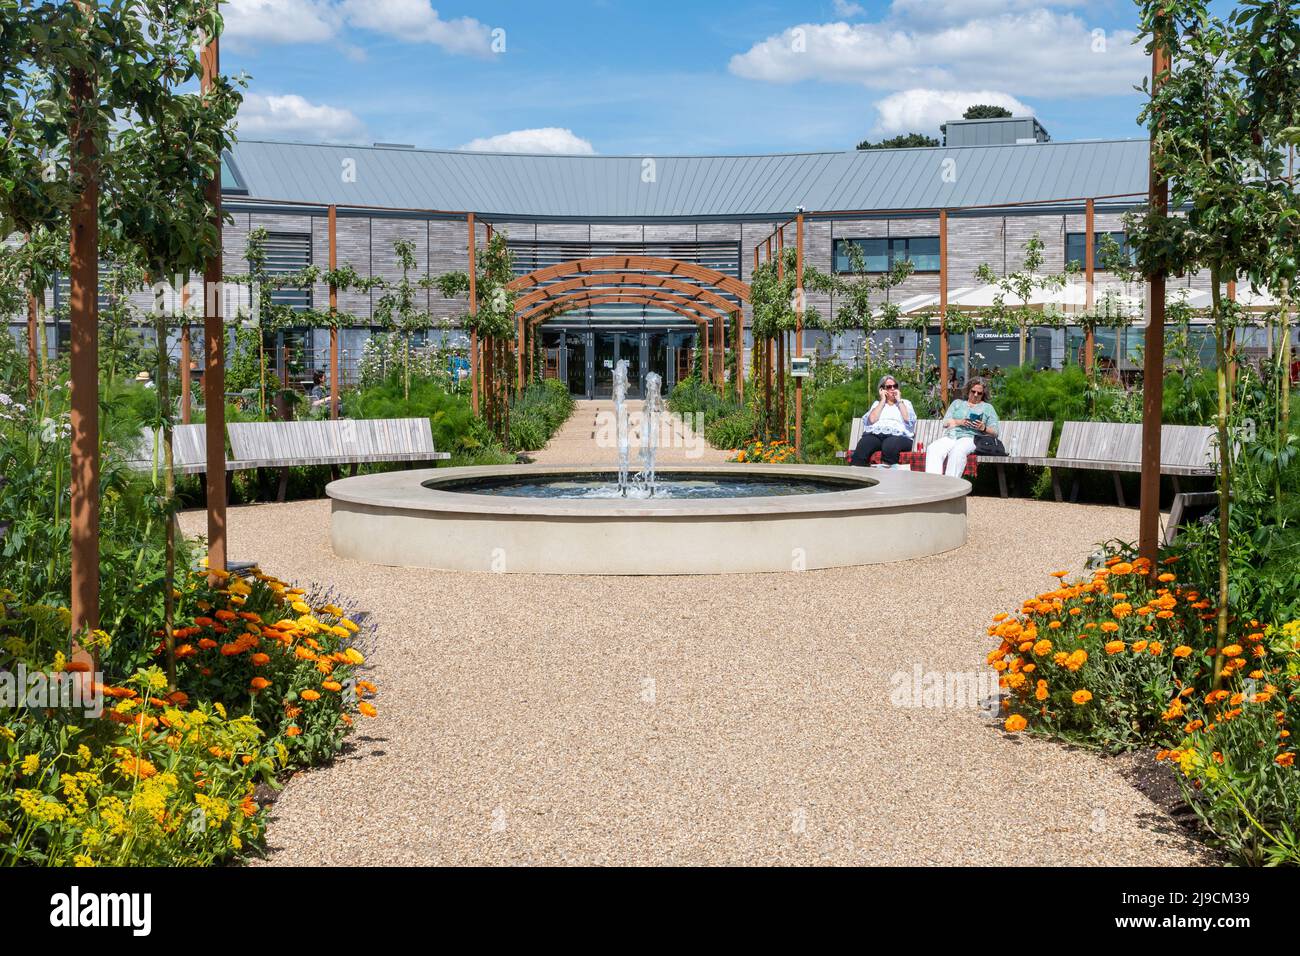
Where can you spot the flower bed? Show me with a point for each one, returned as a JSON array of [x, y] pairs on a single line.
[[773, 452], [1118, 661], [266, 683]]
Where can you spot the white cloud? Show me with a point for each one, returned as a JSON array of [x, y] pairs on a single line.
[[923, 111], [319, 21], [289, 116], [280, 21], [417, 22], [847, 8], [546, 139], [1049, 53]]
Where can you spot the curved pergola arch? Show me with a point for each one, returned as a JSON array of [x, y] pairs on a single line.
[[547, 308], [525, 302], [652, 264]]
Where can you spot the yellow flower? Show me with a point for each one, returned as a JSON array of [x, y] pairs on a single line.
[[31, 764], [354, 656], [301, 607]]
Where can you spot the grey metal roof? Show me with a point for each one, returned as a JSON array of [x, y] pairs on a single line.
[[586, 188]]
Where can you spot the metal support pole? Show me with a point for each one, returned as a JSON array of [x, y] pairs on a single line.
[[943, 307], [798, 333], [1089, 266], [334, 309], [474, 364]]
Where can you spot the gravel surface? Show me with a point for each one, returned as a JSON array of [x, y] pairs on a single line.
[[738, 719]]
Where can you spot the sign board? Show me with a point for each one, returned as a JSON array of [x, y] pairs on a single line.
[[800, 366]]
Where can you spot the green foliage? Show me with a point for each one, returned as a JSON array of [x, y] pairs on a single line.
[[732, 430], [985, 111], [700, 402], [456, 429], [902, 141], [537, 413]]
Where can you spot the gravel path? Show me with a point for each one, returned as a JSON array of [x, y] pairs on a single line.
[[734, 720]]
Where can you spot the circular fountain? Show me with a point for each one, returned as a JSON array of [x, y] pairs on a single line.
[[678, 519]]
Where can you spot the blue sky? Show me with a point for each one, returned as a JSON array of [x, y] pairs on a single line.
[[628, 77]]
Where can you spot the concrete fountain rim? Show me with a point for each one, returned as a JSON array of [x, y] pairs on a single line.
[[880, 489]]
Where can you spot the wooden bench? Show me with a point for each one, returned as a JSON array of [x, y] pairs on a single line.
[[189, 450], [1185, 450], [343, 441]]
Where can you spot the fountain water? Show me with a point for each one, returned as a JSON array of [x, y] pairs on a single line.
[[645, 478], [620, 418]]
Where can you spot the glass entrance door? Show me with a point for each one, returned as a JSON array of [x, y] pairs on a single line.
[[610, 348]]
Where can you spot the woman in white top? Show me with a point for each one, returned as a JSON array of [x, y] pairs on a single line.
[[888, 427]]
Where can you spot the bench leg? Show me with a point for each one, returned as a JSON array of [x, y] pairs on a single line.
[[283, 488], [1178, 488], [355, 466], [1074, 490], [1056, 484], [1119, 489], [1175, 518], [1002, 480]]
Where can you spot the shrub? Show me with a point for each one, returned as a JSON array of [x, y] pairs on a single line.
[[733, 430], [537, 413], [1117, 663], [266, 682], [456, 429]]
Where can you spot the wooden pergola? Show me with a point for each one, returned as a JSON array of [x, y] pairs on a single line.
[[690, 290]]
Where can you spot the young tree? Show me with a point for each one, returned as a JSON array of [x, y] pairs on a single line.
[[1020, 287], [1218, 138], [493, 321], [397, 308]]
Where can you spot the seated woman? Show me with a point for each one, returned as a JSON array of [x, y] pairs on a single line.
[[964, 419], [888, 427]]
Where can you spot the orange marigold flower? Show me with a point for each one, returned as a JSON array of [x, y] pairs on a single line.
[[1155, 648], [1285, 760], [1059, 574], [1232, 650], [367, 708], [259, 659], [1081, 697], [259, 683], [310, 695], [1122, 610], [207, 643], [1114, 647], [332, 685], [1182, 650], [1122, 568], [293, 730], [1166, 577], [1139, 647], [1110, 627], [1015, 723]]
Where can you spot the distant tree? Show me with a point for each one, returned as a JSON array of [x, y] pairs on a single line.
[[985, 111], [905, 141]]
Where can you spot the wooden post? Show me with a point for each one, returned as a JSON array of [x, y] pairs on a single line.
[[83, 251], [1089, 267], [739, 348], [474, 363], [214, 347], [1153, 353], [943, 307], [798, 332], [334, 309], [187, 385]]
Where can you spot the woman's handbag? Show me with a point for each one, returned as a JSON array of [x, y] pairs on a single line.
[[989, 445]]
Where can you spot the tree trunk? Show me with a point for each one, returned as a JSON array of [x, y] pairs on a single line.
[[1225, 483]]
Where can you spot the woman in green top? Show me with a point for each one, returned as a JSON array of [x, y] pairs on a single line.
[[964, 419]]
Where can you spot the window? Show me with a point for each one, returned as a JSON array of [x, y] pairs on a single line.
[[289, 252], [881, 255], [1074, 247]]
